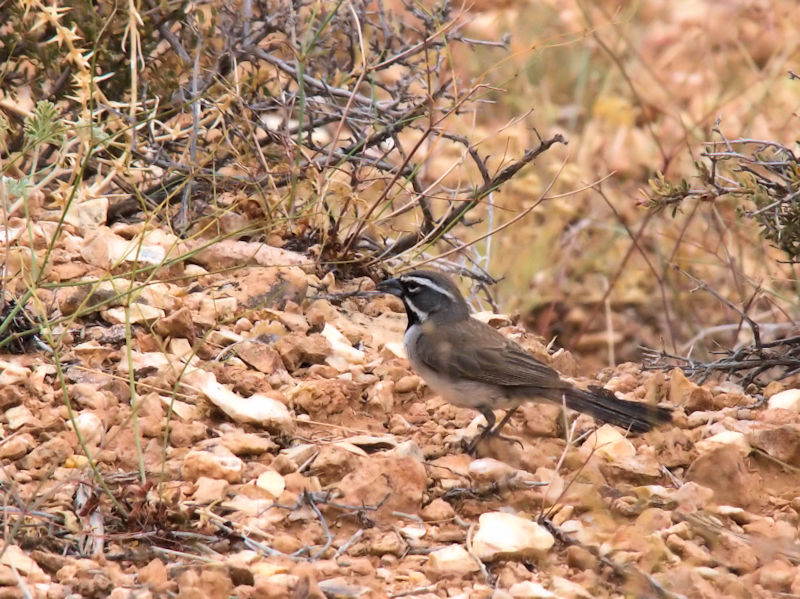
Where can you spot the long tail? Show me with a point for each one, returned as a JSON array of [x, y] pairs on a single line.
[[604, 405]]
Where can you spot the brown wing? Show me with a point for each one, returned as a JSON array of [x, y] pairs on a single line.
[[474, 351], [490, 358]]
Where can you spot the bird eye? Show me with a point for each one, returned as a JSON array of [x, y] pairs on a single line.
[[412, 288]]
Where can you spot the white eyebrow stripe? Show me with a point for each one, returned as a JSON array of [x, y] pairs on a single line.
[[428, 283], [421, 316]]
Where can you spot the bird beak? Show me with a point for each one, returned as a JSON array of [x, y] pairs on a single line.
[[392, 286]]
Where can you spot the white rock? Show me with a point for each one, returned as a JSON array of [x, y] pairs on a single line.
[[413, 531], [735, 438], [184, 411], [104, 248], [19, 416], [11, 373], [135, 314], [144, 363], [343, 355], [351, 448], [339, 587], [646, 465], [489, 470], [88, 214], [181, 348], [786, 400], [506, 535], [258, 409], [299, 454], [452, 559], [90, 427], [527, 589], [272, 482], [373, 441], [224, 337], [492, 318], [408, 449], [608, 443], [396, 348], [199, 463], [568, 589], [14, 557], [253, 507], [729, 510]]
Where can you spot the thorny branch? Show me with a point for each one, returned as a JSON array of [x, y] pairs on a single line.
[[763, 178], [780, 359], [299, 94], [313, 500]]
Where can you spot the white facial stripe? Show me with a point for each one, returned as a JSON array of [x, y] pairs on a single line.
[[421, 316], [428, 283]]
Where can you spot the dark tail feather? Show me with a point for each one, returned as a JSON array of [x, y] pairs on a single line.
[[604, 405]]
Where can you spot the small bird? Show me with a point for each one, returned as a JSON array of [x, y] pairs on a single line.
[[470, 364]]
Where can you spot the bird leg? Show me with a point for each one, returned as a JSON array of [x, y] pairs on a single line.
[[490, 430]]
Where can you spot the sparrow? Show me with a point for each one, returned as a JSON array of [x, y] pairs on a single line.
[[470, 364]]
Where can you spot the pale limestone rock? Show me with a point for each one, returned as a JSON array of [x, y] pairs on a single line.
[[271, 482], [184, 411], [452, 559], [733, 438], [341, 587], [608, 443], [408, 383], [566, 589], [241, 443], [493, 319], [226, 253], [438, 510], [296, 349], [224, 337], [205, 463], [692, 496], [19, 416], [144, 363], [299, 454], [260, 356], [781, 442], [786, 400], [12, 373], [490, 470], [408, 449], [17, 559], [16, 446], [396, 349], [413, 531], [506, 535], [258, 409], [294, 322], [342, 355], [210, 490], [777, 575], [527, 589], [90, 428], [683, 392], [381, 394], [106, 249], [278, 585], [134, 314]]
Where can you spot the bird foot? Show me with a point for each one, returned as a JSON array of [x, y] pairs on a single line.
[[488, 432]]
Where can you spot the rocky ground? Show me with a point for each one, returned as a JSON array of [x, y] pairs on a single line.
[[259, 433]]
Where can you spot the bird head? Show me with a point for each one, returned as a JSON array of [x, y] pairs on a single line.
[[427, 294]]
